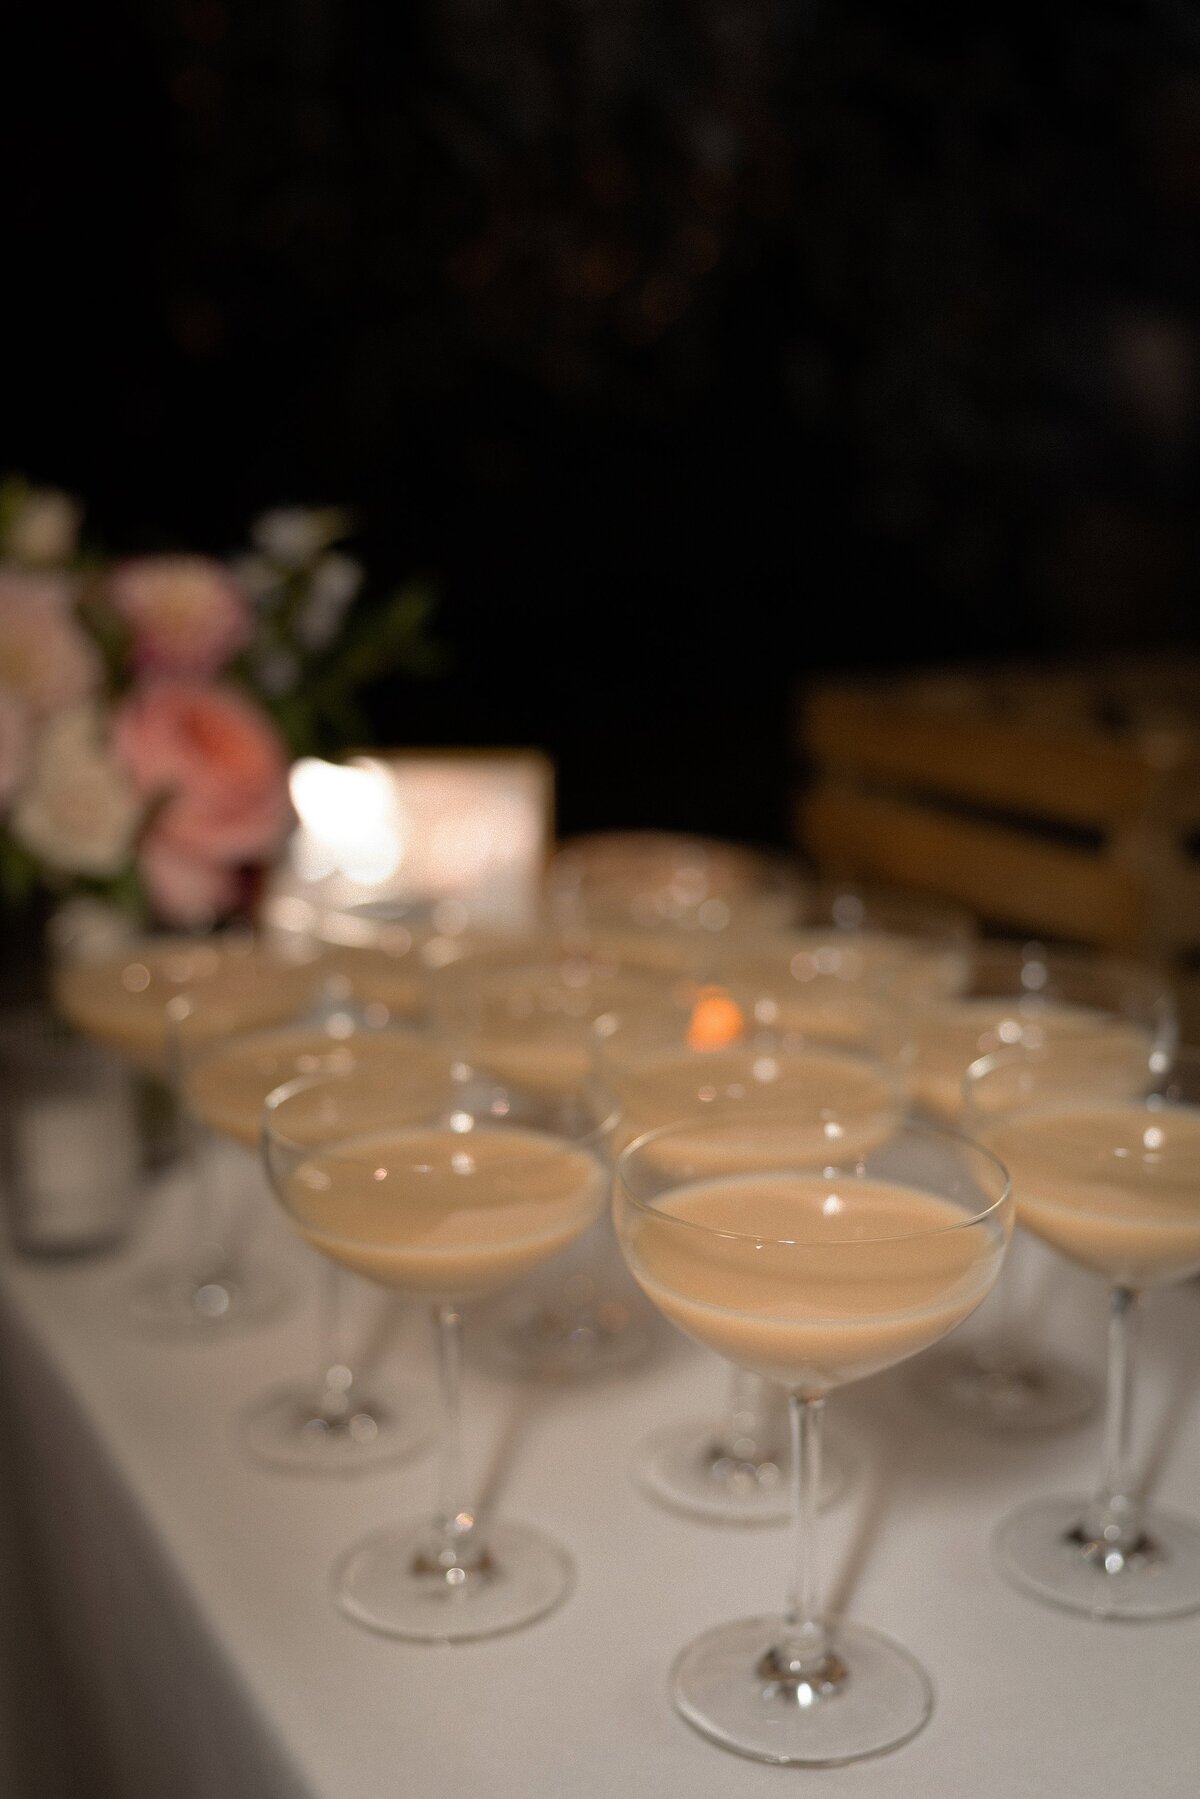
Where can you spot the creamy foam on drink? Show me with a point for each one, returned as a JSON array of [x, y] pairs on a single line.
[[874, 1272], [445, 1213], [950, 1035], [1115, 1188], [229, 1088]]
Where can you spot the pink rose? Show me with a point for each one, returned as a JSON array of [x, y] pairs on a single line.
[[14, 745], [183, 889], [45, 659], [187, 613], [218, 771]]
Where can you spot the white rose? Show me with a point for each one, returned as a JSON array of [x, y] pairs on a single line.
[[45, 529], [256, 577], [78, 812], [294, 536], [335, 581]]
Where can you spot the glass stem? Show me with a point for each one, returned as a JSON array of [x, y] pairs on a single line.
[[454, 1551], [803, 1656], [1112, 1517], [1004, 1348], [335, 1377], [205, 1247], [750, 1434], [205, 1252]]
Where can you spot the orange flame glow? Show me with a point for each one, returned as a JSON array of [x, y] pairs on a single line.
[[716, 1020]]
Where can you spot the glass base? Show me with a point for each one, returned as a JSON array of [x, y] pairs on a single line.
[[995, 1387], [387, 1584], [568, 1342], [685, 1468], [287, 1429], [175, 1302], [874, 1698], [1041, 1549]]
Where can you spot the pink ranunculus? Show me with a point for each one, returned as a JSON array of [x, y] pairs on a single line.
[[14, 745], [216, 766], [188, 614], [46, 661]]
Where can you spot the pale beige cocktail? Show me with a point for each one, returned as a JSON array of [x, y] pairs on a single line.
[[883, 1275], [843, 1102], [839, 1104], [1114, 1185], [228, 1087], [1114, 1188], [948, 1036], [158, 1002], [531, 1021], [1079, 1010], [443, 1215], [331, 1422], [812, 1276], [490, 1183], [195, 990]]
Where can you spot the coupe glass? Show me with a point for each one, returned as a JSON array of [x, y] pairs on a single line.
[[918, 939], [157, 1002], [380, 961], [733, 1468], [646, 880], [810, 1272], [1113, 1184], [531, 1023], [489, 1185], [330, 1423], [1118, 1015]]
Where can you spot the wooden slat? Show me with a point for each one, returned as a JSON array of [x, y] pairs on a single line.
[[1181, 796], [1187, 992], [1004, 877], [1080, 778], [1178, 907]]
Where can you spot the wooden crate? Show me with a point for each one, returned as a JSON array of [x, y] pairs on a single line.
[[1063, 804]]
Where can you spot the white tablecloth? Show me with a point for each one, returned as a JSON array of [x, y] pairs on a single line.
[[191, 1610]]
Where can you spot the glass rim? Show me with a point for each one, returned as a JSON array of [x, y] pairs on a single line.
[[1015, 1053], [272, 1135], [563, 954], [922, 910], [1031, 1055], [207, 1053], [992, 952], [1076, 1100], [904, 1129], [868, 1060], [576, 850]]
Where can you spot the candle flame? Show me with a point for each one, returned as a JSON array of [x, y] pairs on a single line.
[[716, 1020]]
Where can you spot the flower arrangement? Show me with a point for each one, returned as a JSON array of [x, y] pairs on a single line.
[[149, 707]]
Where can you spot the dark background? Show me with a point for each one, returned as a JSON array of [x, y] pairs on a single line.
[[692, 346]]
